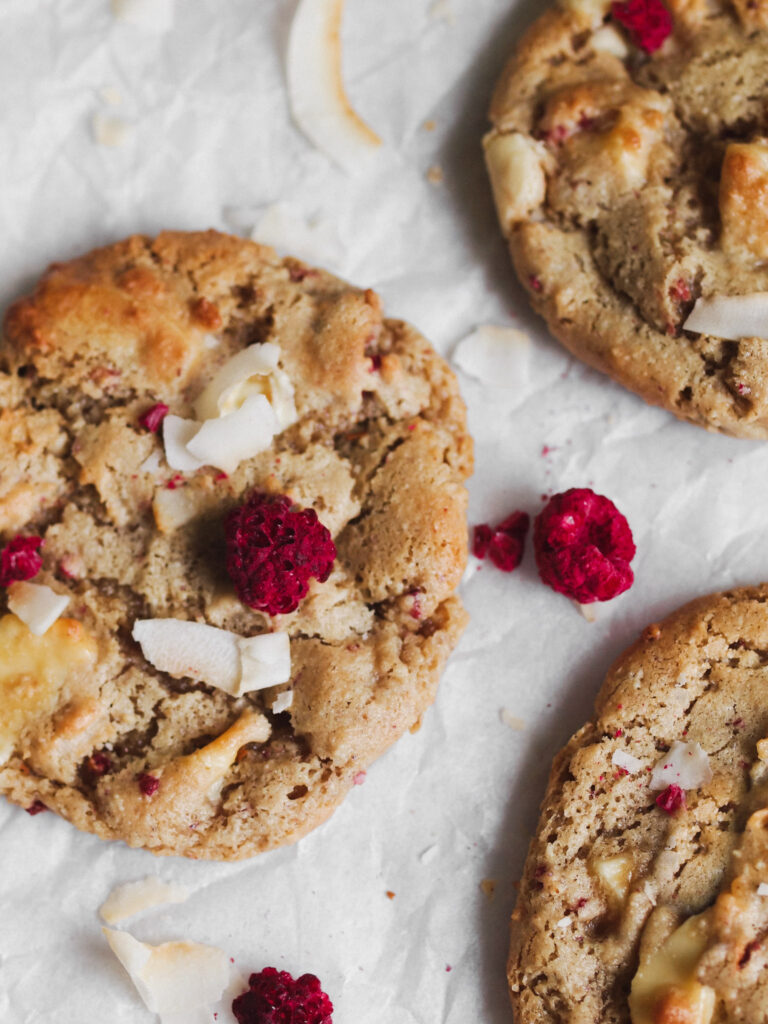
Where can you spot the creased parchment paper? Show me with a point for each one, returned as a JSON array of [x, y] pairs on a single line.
[[201, 137]]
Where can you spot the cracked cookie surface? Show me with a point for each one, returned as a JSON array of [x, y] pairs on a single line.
[[379, 449], [630, 185], [611, 880]]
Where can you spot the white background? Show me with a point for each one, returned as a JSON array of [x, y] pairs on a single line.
[[210, 143]]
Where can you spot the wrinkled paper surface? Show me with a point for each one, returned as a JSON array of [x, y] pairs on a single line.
[[204, 139]]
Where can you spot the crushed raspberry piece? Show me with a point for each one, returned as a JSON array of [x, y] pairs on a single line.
[[375, 362], [148, 784], [648, 22], [36, 808], [680, 291], [274, 997], [672, 799], [98, 764], [19, 560], [176, 481], [152, 418], [583, 546], [535, 283], [504, 543], [274, 550]]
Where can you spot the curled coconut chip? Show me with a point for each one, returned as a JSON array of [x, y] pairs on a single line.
[[133, 898], [318, 100], [628, 762], [731, 317], [685, 765], [229, 440], [232, 663], [179, 981], [496, 356], [37, 605], [252, 371]]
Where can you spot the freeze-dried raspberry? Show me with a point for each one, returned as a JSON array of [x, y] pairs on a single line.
[[97, 764], [273, 997], [583, 546], [504, 543], [274, 550], [36, 808], [19, 560], [152, 418], [148, 784], [672, 799], [648, 22]]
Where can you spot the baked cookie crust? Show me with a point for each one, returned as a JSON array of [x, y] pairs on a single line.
[[611, 876], [629, 185], [380, 451]]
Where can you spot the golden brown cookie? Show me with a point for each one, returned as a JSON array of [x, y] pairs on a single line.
[[371, 435], [643, 897], [630, 184]]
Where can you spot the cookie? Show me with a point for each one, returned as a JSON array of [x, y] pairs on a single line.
[[364, 428], [642, 896], [629, 164]]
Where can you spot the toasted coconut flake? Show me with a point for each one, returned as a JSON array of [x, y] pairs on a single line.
[[180, 981], [176, 433], [36, 605], [685, 765], [134, 897], [150, 15], [497, 356], [225, 442], [252, 371], [731, 317], [627, 761], [316, 88]]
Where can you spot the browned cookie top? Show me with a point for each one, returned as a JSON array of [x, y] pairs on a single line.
[[378, 449], [629, 185], [633, 907]]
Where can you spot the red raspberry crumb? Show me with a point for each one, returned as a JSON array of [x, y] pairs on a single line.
[[177, 480], [148, 784], [152, 418], [375, 362], [680, 291], [504, 543], [19, 560], [648, 22], [274, 997], [98, 763], [36, 808], [274, 550], [535, 283], [583, 546], [671, 799]]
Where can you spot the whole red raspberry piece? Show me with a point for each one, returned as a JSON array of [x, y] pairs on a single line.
[[274, 550], [672, 799], [19, 560], [504, 543], [648, 22], [273, 997], [583, 546]]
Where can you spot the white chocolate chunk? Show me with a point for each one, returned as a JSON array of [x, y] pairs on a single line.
[[515, 165], [36, 605]]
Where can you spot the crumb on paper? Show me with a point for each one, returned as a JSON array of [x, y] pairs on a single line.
[[110, 95], [435, 175], [589, 611], [430, 125], [497, 356], [518, 724], [110, 131], [390, 894], [428, 854], [488, 887], [442, 9], [149, 15], [134, 897], [179, 981]]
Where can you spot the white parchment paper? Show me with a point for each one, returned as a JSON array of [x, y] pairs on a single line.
[[205, 140]]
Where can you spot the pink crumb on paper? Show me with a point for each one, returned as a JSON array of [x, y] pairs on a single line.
[[503, 544], [358, 779], [448, 968]]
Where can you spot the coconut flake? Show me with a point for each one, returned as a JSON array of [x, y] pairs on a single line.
[[252, 371], [225, 442], [731, 317], [232, 663], [109, 131], [627, 761], [134, 897], [564, 922], [496, 356], [150, 15], [265, 661], [152, 464], [176, 433], [282, 702], [180, 981], [685, 765], [318, 101], [36, 605]]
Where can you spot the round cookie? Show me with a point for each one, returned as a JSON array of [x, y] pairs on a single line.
[[631, 184], [378, 449], [636, 903]]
